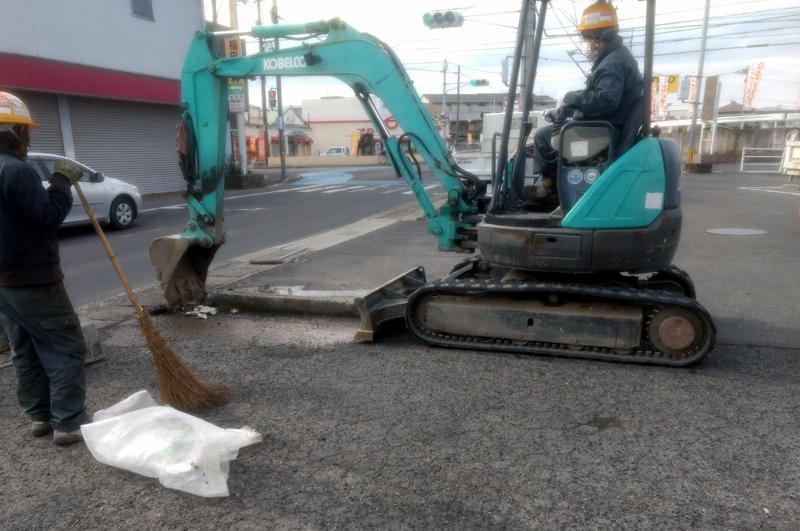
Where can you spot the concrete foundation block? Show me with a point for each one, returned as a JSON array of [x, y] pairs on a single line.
[[94, 349]]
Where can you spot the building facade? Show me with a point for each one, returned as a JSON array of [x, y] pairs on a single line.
[[102, 80]]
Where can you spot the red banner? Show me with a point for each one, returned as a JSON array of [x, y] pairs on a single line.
[[654, 101], [753, 77], [662, 96]]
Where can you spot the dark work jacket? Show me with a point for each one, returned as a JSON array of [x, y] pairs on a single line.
[[611, 88], [29, 217]]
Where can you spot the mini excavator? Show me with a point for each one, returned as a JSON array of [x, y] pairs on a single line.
[[594, 280]]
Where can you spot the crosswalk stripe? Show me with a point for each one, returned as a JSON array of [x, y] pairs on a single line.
[[346, 189]]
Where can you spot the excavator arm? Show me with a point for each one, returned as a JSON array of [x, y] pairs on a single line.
[[362, 61]]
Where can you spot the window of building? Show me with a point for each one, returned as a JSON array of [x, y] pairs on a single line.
[[142, 8]]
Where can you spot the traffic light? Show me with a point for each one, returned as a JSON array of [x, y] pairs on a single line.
[[273, 98], [443, 19], [479, 82]]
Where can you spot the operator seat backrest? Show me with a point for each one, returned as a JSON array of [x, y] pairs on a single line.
[[583, 143], [631, 128]]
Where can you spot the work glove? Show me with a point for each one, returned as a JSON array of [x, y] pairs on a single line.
[[68, 169], [550, 115]]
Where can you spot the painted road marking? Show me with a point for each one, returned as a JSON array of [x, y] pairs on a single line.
[[425, 187], [345, 189], [770, 189], [326, 189]]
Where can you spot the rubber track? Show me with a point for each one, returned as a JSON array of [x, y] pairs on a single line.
[[651, 301]]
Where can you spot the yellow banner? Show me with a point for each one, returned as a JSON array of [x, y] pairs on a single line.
[[674, 81]]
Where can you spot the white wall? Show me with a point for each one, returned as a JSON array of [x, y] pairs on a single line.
[[102, 33], [333, 121]]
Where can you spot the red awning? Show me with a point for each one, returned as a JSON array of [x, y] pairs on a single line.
[[276, 139]]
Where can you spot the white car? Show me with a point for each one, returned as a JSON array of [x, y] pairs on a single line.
[[337, 152], [112, 201]]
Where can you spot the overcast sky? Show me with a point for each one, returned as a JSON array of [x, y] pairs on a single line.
[[740, 32]]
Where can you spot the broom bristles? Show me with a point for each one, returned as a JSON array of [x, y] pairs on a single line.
[[179, 387]]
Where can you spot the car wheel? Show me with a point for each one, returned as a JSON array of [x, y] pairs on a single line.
[[122, 213]]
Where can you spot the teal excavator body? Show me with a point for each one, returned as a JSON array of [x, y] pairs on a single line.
[[591, 279]]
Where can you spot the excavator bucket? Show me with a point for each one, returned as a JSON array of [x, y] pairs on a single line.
[[181, 268]]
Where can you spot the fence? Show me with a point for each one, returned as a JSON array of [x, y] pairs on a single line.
[[763, 157]]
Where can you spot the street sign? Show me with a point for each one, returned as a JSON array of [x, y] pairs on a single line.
[[233, 48]]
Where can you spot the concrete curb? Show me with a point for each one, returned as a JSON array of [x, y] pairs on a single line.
[[264, 302], [94, 349]]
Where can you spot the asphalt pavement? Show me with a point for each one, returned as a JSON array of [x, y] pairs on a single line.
[[399, 435]]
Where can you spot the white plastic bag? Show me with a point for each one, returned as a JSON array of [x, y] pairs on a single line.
[[183, 452]]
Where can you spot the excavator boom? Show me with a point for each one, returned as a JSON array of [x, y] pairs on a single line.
[[370, 68]]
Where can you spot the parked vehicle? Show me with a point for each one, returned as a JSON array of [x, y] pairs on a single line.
[[112, 201], [337, 152]]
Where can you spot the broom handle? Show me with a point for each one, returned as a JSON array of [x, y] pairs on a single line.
[[110, 253]]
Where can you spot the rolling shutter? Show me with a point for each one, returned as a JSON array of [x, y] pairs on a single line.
[[130, 141], [44, 112]]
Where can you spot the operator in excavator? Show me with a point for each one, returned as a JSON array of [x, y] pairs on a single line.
[[48, 347], [611, 91]]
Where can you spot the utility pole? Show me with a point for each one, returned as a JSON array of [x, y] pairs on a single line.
[[214, 13], [716, 116], [744, 94], [239, 115], [444, 95], [699, 81], [458, 105], [264, 128], [279, 119]]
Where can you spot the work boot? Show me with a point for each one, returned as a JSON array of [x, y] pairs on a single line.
[[67, 437], [40, 428]]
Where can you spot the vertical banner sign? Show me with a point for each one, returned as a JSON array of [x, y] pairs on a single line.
[[673, 82], [654, 101], [753, 77], [354, 148], [233, 48], [693, 91], [662, 95], [710, 98]]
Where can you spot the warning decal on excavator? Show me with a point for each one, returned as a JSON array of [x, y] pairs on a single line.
[[575, 176], [591, 176]]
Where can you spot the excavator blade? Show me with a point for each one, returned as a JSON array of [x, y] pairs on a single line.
[[181, 268], [387, 302]]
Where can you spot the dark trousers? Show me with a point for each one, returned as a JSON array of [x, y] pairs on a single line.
[[545, 158], [48, 352]]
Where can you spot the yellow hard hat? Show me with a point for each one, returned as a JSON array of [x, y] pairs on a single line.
[[599, 15], [13, 111]]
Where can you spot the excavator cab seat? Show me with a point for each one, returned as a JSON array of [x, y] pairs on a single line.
[[588, 148]]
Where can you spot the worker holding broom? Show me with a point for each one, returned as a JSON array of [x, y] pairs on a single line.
[[48, 348]]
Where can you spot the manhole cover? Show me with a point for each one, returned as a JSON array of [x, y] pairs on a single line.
[[736, 232]]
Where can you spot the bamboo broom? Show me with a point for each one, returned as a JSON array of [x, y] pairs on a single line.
[[179, 387]]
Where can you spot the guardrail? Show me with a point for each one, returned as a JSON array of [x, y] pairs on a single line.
[[771, 157]]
